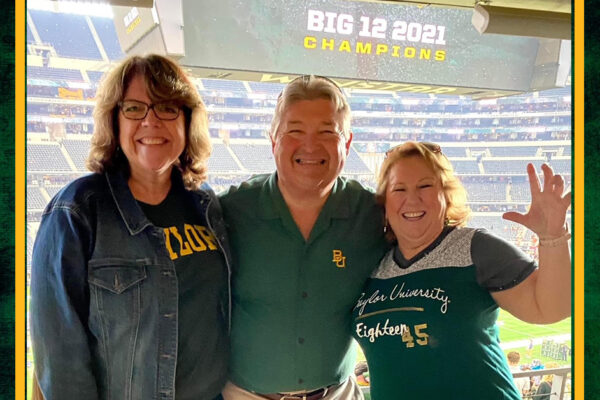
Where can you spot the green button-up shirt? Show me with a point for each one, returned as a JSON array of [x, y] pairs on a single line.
[[292, 298]]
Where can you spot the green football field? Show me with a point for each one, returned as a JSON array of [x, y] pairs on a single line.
[[512, 329]]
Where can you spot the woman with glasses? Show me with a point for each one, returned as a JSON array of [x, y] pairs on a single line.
[[130, 268], [426, 318]]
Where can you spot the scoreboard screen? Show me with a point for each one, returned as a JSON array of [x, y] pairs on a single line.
[[132, 23], [361, 44]]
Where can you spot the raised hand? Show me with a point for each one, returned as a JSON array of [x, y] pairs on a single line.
[[548, 209]]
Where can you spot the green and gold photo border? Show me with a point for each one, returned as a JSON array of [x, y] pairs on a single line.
[[7, 203], [587, 117], [13, 195]]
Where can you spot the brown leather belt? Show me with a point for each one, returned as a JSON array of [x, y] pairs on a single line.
[[313, 395]]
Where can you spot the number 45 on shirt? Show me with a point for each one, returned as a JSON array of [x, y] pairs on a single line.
[[421, 336]]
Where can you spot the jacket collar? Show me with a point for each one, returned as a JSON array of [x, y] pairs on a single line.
[[134, 218]]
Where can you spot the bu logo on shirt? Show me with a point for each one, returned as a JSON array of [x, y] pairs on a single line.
[[339, 259]]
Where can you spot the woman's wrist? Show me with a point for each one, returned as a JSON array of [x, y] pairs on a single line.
[[555, 240]]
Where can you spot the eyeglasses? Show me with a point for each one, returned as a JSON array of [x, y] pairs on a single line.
[[432, 147], [134, 109]]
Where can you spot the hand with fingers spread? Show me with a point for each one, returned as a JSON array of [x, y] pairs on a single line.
[[547, 212]]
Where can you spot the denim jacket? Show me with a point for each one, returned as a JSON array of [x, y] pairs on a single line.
[[104, 294]]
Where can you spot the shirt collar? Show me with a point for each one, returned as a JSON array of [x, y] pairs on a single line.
[[404, 263], [272, 205]]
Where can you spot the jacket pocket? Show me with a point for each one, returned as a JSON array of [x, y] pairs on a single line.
[[116, 275], [119, 293]]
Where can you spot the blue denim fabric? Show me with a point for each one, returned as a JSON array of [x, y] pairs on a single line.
[[104, 297]]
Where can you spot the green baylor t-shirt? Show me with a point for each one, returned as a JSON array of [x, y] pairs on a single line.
[[427, 325], [202, 349]]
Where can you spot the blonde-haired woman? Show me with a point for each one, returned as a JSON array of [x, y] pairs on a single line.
[[428, 312], [130, 269]]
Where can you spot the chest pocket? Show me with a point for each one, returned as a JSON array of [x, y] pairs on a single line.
[[116, 275], [117, 288], [117, 302]]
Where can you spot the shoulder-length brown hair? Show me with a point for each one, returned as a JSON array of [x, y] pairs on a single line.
[[457, 210], [164, 80]]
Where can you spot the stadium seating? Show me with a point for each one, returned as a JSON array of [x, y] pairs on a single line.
[[514, 151], [510, 231], [487, 191], [355, 165], [465, 167], [272, 89], [35, 199], [257, 158], [221, 160], [223, 86], [30, 38], [95, 76], [54, 74], [105, 28], [53, 190], [73, 40], [78, 151], [46, 157], [454, 151], [561, 166], [509, 167]]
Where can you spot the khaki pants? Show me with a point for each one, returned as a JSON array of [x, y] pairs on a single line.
[[348, 390], [36, 393]]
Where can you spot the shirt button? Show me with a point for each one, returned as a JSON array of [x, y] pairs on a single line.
[[300, 340], [304, 295], [300, 381]]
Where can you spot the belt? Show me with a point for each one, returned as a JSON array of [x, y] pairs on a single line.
[[312, 395]]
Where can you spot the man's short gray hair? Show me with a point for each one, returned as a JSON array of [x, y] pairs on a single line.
[[312, 87]]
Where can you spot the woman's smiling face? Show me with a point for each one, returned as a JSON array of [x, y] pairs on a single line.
[[415, 205], [151, 145]]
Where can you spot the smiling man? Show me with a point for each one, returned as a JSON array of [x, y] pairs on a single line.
[[304, 242]]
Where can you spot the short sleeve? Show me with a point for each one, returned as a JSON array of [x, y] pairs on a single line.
[[500, 265]]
